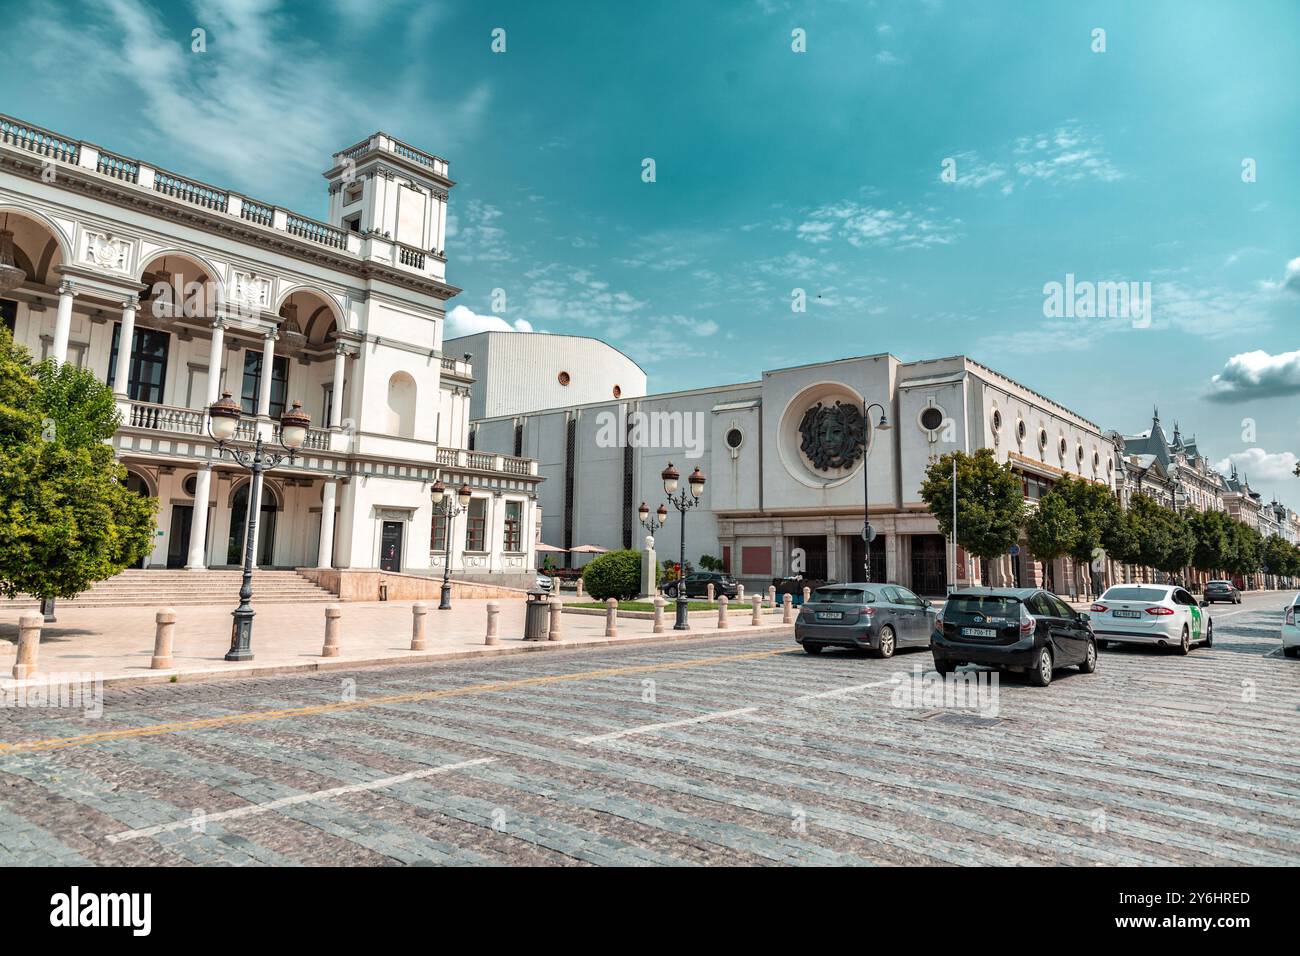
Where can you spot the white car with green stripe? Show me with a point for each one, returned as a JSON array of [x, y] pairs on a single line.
[[1158, 614]]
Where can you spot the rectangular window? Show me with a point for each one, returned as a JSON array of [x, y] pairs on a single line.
[[9, 314], [755, 560], [328, 388], [514, 539], [438, 540], [252, 388], [147, 371], [476, 525]]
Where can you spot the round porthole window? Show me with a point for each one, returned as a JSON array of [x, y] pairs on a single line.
[[1042, 438], [932, 418], [563, 378], [997, 420], [190, 484], [1061, 446], [618, 392], [1096, 460], [735, 438], [1021, 430], [1078, 454]]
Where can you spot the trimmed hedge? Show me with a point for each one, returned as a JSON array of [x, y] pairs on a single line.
[[615, 574]]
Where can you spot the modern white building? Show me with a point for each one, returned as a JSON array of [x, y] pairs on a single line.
[[174, 291], [522, 373], [783, 475]]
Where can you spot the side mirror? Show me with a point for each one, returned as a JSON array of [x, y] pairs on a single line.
[[1205, 603], [1083, 617]]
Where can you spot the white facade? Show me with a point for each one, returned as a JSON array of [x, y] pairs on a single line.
[[212, 288], [765, 497], [522, 372]]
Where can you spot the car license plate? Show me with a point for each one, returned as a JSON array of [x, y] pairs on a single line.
[[978, 632], [830, 615], [1128, 613]]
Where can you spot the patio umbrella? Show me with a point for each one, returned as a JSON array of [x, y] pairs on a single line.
[[589, 549], [543, 546]]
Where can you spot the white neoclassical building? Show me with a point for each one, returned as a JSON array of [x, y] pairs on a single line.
[[785, 476], [174, 291]]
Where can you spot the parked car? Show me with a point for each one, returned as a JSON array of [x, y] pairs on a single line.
[[794, 587], [697, 585], [876, 617], [1291, 628], [1221, 591], [1159, 614], [1017, 629]]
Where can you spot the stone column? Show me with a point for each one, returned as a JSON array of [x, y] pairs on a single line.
[[325, 551], [336, 393], [197, 558], [125, 337], [63, 323], [722, 612], [216, 355], [268, 366]]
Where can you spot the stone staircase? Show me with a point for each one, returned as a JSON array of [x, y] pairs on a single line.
[[180, 588]]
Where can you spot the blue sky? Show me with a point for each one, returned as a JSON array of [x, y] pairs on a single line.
[[778, 170]]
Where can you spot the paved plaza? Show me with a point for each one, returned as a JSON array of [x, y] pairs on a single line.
[[737, 750]]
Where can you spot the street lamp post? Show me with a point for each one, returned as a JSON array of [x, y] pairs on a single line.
[[684, 501], [223, 422], [884, 426], [443, 505], [652, 524]]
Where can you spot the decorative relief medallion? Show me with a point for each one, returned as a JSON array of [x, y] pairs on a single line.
[[107, 252], [252, 291], [833, 436]]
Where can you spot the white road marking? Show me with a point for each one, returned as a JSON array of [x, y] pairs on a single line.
[[298, 798], [839, 691], [651, 728]]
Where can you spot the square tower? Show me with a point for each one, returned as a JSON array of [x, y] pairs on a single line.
[[384, 187]]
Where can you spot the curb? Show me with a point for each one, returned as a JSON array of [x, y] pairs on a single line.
[[321, 665]]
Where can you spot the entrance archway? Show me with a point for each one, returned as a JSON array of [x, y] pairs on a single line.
[[239, 523]]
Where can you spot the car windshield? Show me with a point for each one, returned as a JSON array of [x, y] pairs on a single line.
[[1219, 584], [1135, 594], [987, 605], [843, 596]]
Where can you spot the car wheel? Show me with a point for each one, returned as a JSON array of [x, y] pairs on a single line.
[[887, 642], [1209, 632], [1040, 675], [1238, 601], [1089, 664], [1291, 651], [812, 648], [1185, 643]]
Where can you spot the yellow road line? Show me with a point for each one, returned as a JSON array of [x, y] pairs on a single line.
[[206, 723]]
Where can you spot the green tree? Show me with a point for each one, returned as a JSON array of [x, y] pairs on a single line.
[[1053, 530], [709, 563], [1275, 555], [67, 519], [990, 501], [1095, 513], [1213, 535], [1247, 546]]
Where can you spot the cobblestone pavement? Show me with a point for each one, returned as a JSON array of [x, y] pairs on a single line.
[[737, 751]]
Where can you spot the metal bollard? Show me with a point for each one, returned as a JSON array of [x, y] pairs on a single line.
[[611, 617], [580, 591], [807, 593], [492, 611], [557, 607], [711, 593], [722, 613], [419, 614], [787, 609], [29, 642], [164, 629], [756, 603], [771, 596], [740, 592], [332, 615], [659, 614]]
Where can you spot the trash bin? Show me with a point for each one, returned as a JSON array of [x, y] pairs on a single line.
[[537, 622]]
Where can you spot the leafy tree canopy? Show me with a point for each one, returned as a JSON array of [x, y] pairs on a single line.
[[990, 501]]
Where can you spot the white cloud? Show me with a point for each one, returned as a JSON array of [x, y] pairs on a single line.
[[474, 236], [1259, 465], [865, 226], [1067, 154], [1252, 375], [885, 58], [1290, 279], [465, 321]]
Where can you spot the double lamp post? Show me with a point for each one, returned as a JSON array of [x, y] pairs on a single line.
[[444, 506], [683, 501]]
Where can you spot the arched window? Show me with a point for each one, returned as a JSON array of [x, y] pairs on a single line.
[[401, 405]]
